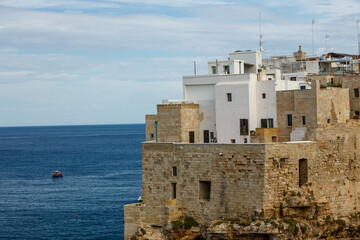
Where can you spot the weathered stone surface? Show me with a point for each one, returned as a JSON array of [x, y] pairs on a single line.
[[173, 123]]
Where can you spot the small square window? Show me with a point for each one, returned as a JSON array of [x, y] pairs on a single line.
[[264, 95], [151, 135], [328, 121], [229, 97], [174, 171], [357, 113], [232, 140], [292, 78]]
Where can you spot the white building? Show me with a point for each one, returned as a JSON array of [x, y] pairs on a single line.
[[237, 96]]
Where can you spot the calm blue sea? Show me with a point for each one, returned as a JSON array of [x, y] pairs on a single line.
[[102, 172]]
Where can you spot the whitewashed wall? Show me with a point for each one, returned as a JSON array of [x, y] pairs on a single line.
[[266, 107], [207, 117]]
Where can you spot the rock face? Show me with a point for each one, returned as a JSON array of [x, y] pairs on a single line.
[[262, 229]]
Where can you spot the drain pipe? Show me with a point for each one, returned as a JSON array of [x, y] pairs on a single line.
[[156, 122]]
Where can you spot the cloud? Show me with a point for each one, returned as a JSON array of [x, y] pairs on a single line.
[[107, 4], [71, 62]]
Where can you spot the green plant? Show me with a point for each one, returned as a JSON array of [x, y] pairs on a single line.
[[259, 224], [298, 194], [245, 223], [303, 229], [190, 222], [340, 222], [177, 225], [292, 226], [275, 225]]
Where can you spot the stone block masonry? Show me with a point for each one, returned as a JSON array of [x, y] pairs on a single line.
[[174, 123]]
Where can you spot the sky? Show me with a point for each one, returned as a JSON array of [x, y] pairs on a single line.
[[80, 62]]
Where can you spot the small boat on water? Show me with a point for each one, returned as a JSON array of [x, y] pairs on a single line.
[[56, 174]]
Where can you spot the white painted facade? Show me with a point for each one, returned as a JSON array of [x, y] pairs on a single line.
[[252, 92]]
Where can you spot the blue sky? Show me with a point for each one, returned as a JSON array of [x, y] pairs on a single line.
[[111, 61]]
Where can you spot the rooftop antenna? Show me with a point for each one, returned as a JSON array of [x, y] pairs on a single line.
[[195, 68], [260, 35], [312, 28], [357, 28], [326, 38]]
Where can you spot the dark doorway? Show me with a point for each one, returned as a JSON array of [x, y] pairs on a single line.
[[191, 137], [206, 136]]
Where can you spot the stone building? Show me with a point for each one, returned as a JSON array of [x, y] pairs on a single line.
[[300, 180], [174, 123]]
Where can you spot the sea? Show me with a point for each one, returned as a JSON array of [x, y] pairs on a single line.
[[102, 173]]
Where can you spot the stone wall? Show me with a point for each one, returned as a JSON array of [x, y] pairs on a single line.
[[150, 127], [264, 135], [250, 179], [236, 173], [312, 108], [351, 82], [174, 122]]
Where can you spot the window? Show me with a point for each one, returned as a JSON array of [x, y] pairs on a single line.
[[206, 136], [357, 113], [292, 78], [271, 123], [232, 140], [267, 123], [244, 128], [273, 139], [289, 119], [212, 135], [204, 190], [173, 190], [229, 97], [303, 172], [174, 171], [263, 123], [191, 137], [264, 95], [227, 69], [213, 70], [303, 87], [303, 120], [328, 121], [245, 140], [356, 92], [332, 81], [151, 135]]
